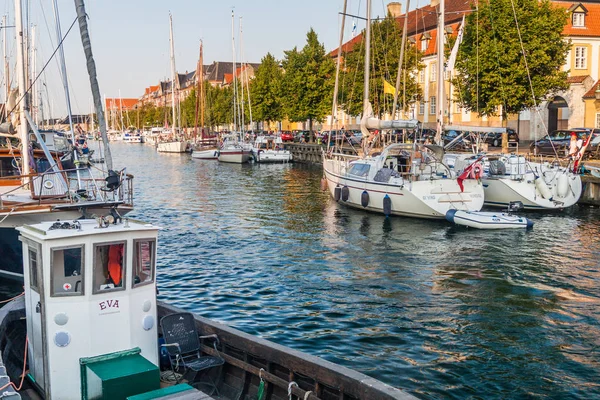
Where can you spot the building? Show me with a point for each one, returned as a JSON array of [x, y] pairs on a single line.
[[578, 106]]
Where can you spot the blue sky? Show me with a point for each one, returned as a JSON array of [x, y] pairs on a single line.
[[130, 38]]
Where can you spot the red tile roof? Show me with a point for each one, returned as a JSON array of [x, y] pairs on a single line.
[[577, 79], [592, 92], [116, 104], [592, 19]]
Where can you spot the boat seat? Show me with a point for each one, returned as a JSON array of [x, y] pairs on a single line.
[[182, 343]]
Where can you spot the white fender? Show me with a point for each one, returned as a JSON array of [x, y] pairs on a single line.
[[562, 186], [542, 187]]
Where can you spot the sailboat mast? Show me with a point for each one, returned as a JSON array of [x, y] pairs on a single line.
[[173, 72], [34, 92], [234, 86], [201, 80], [198, 85], [121, 111], [23, 128], [440, 74], [366, 104], [242, 116], [400, 63], [337, 73], [63, 69], [6, 70]]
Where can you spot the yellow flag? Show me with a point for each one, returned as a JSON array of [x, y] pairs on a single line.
[[388, 88]]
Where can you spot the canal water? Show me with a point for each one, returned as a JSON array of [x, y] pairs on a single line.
[[438, 311]]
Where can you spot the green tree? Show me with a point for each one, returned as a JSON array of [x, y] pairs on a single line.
[[307, 84], [491, 69], [386, 42], [265, 91], [219, 106]]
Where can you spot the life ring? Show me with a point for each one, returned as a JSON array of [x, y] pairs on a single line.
[[476, 171]]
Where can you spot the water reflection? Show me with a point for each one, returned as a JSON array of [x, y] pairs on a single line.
[[440, 311]]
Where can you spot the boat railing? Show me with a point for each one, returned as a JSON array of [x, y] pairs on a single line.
[[46, 186]]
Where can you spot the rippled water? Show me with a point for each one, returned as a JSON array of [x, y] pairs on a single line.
[[438, 311]]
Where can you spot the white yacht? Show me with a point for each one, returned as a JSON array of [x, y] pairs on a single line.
[[234, 151], [269, 149]]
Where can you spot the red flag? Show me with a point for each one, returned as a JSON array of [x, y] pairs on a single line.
[[466, 172]]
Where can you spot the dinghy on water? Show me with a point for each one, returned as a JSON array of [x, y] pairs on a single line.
[[490, 220]]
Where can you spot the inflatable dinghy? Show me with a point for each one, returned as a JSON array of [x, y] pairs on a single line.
[[488, 220]]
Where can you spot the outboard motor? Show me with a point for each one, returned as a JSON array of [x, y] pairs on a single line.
[[515, 206]]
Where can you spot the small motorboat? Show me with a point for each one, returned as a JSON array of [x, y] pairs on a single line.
[[490, 220]]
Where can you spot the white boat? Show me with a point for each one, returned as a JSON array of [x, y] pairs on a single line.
[[402, 180], [488, 220], [539, 186], [269, 149], [129, 137], [234, 152], [206, 154], [175, 146]]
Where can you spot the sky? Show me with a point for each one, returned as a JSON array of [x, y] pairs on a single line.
[[130, 39]]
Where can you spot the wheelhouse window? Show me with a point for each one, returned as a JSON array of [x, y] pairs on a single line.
[[361, 170], [109, 267], [580, 57], [144, 262], [66, 269], [33, 268], [579, 19]]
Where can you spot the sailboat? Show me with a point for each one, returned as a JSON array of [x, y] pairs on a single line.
[[203, 149], [37, 188], [174, 143], [510, 178], [233, 149], [404, 179]]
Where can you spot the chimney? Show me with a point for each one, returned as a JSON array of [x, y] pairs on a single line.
[[395, 9]]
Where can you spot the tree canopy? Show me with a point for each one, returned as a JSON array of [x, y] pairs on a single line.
[[308, 81], [265, 91], [491, 69]]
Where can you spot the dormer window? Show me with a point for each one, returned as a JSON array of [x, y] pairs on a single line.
[[425, 41], [578, 19]]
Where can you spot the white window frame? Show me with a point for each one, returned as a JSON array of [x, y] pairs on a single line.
[[432, 105], [424, 44], [578, 20], [422, 75], [421, 108], [580, 57], [433, 72]]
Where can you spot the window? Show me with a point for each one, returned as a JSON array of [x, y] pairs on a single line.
[[424, 44], [578, 19], [33, 268], [421, 107], [422, 76], [66, 271], [143, 261], [580, 58], [109, 267], [361, 170], [432, 105], [433, 72]]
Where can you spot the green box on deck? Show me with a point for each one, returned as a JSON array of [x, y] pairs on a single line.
[[118, 376]]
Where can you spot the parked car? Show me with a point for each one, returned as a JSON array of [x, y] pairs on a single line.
[[559, 140], [495, 138], [287, 136]]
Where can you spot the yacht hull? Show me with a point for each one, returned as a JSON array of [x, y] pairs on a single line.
[[273, 156], [210, 154], [172, 147], [236, 156]]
